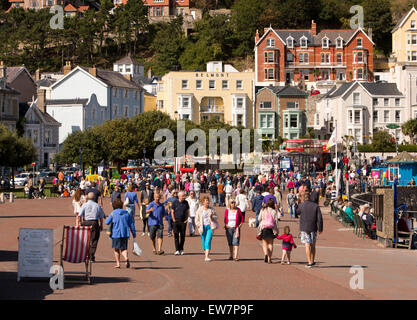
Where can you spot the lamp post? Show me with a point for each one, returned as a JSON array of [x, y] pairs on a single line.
[[144, 154], [81, 161]]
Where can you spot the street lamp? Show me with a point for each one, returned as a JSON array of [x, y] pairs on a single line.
[[144, 154], [81, 160]]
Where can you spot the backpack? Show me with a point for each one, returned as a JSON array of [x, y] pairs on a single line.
[[269, 221]]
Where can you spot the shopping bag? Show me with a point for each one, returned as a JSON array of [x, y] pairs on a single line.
[[136, 250]]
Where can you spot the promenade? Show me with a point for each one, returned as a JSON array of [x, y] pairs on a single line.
[[388, 273]]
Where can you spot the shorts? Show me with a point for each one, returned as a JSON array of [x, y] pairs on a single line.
[[231, 237], [119, 243], [308, 237], [155, 231]]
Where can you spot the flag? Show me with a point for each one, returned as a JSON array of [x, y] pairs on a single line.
[[332, 141]]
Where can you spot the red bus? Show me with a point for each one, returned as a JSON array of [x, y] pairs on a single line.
[[316, 146]]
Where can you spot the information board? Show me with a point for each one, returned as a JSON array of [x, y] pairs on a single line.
[[35, 253], [285, 163]]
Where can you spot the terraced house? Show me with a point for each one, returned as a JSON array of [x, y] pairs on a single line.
[[288, 57], [281, 111]]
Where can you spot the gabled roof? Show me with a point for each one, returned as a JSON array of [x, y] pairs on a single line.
[[403, 157], [382, 88], [44, 116], [297, 35], [128, 60], [13, 72], [403, 19], [83, 8], [332, 35], [283, 91], [360, 30], [266, 32], [115, 79], [70, 8]]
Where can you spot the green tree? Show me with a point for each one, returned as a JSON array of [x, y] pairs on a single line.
[[383, 141], [410, 129], [168, 46], [378, 17]]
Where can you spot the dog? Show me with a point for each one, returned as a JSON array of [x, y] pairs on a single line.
[[252, 223]]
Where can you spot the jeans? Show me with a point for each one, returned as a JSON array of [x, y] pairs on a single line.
[[206, 237], [191, 225], [213, 199], [170, 225], [292, 210], [179, 235], [131, 210]]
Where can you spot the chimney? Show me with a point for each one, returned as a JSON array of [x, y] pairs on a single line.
[[370, 33], [41, 100], [67, 67], [150, 74], [257, 36], [2, 70], [313, 28], [128, 76], [93, 71], [37, 75]]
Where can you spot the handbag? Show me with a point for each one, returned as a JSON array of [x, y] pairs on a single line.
[[127, 202]]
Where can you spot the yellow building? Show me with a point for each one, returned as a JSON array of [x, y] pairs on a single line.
[[404, 39], [221, 92], [150, 102]]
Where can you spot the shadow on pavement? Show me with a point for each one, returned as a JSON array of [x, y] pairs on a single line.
[[156, 268], [8, 255], [95, 280], [131, 261], [10, 289], [342, 267]]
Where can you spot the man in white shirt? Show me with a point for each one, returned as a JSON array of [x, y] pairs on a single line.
[[228, 189], [242, 203], [194, 203]]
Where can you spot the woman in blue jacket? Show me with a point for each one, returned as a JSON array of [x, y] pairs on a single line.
[[122, 224]]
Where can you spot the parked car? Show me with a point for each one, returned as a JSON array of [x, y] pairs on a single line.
[[48, 176], [22, 178]]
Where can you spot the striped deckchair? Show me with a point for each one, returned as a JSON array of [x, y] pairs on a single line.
[[75, 246]]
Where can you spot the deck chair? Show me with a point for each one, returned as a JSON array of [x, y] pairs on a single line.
[[75, 246], [404, 239]]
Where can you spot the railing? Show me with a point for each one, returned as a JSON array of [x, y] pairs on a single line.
[[212, 109], [313, 65], [49, 145]]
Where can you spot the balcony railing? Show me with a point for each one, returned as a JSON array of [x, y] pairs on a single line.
[[314, 65], [212, 109], [49, 145]]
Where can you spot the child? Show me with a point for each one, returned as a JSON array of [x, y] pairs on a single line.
[[144, 216], [287, 244]]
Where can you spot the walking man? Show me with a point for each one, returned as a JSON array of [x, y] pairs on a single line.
[[91, 214], [311, 222], [156, 211], [193, 202], [179, 212]]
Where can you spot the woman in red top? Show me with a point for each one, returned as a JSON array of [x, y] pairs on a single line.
[[233, 220]]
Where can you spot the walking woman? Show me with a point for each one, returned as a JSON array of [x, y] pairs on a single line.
[[233, 220], [268, 228], [122, 224], [77, 202], [206, 223], [133, 197]]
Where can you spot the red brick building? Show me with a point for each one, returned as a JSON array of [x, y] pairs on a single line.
[[166, 8], [284, 57]]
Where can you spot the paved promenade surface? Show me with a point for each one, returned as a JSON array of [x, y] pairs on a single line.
[[388, 273]]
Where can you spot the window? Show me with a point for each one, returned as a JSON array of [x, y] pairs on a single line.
[[239, 102], [126, 93], [93, 114], [386, 102], [306, 58], [239, 84], [115, 110], [115, 92], [35, 136], [356, 98], [270, 121], [397, 102], [184, 84], [185, 102], [290, 42], [350, 113], [225, 84], [317, 119], [357, 117], [375, 116], [397, 116], [413, 24], [325, 58], [303, 42], [186, 117], [375, 101], [325, 43], [263, 121], [270, 42], [269, 74], [127, 69], [301, 58], [286, 121], [47, 136], [304, 74], [359, 42], [212, 84], [359, 57], [293, 121], [414, 39], [270, 57], [339, 43], [265, 105], [239, 120], [386, 116], [292, 104], [359, 74], [199, 84], [358, 135], [290, 57], [339, 58], [126, 112]]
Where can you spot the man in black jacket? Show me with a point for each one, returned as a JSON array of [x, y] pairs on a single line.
[[311, 221]]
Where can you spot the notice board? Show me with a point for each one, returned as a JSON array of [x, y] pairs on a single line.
[[35, 253]]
